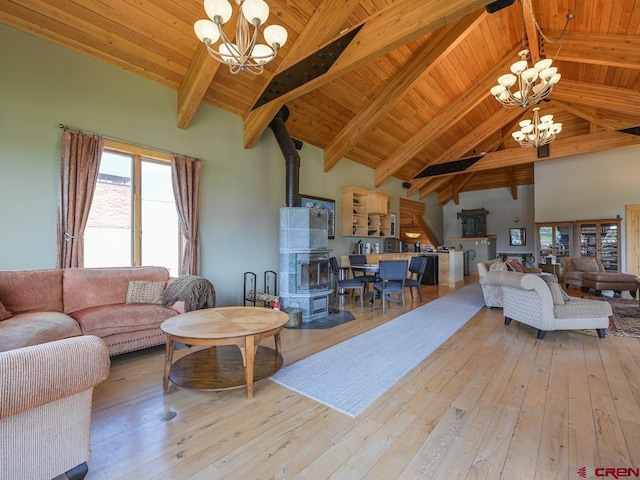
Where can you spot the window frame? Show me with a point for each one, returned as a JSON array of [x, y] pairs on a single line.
[[138, 155]]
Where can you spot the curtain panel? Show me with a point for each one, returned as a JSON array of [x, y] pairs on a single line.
[[79, 167], [185, 177]]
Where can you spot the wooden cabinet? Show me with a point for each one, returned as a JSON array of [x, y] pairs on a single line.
[[365, 213], [554, 239], [600, 239]]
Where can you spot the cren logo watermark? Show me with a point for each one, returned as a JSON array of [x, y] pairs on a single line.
[[608, 472]]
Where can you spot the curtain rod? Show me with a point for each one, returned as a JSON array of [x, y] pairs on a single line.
[[115, 139]]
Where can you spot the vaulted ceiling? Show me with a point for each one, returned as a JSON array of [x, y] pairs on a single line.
[[409, 91]]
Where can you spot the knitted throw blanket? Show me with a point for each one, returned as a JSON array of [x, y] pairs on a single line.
[[196, 293]]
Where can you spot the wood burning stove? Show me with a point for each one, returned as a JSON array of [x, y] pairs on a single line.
[[312, 271]]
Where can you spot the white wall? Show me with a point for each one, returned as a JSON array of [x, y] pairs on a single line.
[[242, 191], [503, 210], [589, 186]]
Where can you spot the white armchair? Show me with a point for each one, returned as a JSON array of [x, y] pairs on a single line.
[[540, 302], [45, 407]]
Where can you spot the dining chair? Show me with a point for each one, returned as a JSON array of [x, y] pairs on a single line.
[[361, 276], [350, 283], [393, 275], [417, 266]]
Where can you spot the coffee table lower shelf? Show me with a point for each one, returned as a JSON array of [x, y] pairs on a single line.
[[220, 368]]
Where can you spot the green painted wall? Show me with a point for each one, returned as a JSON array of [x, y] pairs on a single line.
[[242, 191]]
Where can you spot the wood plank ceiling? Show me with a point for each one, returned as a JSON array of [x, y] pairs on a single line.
[[411, 90]]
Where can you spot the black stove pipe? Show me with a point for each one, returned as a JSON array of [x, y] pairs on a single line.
[[292, 159]]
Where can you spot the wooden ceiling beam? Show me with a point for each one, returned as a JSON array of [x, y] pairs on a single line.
[[532, 32], [452, 192], [599, 96], [603, 118], [608, 50], [200, 72], [432, 184], [561, 147], [195, 83], [439, 44], [324, 25], [441, 122], [390, 28]]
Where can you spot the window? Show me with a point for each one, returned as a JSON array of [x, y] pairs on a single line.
[[133, 218]]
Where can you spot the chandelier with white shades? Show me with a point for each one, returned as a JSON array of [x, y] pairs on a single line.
[[245, 54], [537, 132], [527, 91]]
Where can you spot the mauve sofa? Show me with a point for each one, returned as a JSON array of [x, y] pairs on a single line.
[[53, 304]]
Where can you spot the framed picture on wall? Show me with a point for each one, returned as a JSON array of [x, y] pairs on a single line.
[[517, 237], [394, 218], [325, 203]]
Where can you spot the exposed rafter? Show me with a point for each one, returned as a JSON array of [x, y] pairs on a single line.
[[441, 42], [399, 23], [451, 114]]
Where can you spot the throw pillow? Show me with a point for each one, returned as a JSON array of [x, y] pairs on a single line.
[[586, 265], [498, 265], [4, 313], [516, 266], [557, 293], [144, 291]]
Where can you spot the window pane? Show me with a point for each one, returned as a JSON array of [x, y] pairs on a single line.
[[160, 227], [107, 238]]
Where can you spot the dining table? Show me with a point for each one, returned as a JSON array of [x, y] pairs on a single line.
[[368, 268]]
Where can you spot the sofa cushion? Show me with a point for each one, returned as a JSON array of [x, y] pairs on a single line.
[[586, 264], [145, 291], [26, 329], [106, 320], [31, 290], [516, 266], [579, 308], [556, 292], [4, 313], [91, 287], [498, 265]]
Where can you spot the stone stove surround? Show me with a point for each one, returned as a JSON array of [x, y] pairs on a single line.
[[303, 233]]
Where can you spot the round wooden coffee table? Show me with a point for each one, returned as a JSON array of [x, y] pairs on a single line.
[[223, 366]]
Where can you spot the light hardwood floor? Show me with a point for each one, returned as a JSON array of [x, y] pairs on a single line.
[[493, 402]]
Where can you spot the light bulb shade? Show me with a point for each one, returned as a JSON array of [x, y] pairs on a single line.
[[252, 9], [543, 64], [547, 73], [206, 29], [218, 8], [229, 53], [555, 79], [519, 66], [529, 75], [546, 119], [276, 36], [412, 234], [507, 80], [497, 90], [518, 135], [525, 123], [262, 54], [527, 129]]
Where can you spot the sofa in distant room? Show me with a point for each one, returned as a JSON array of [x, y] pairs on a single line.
[[493, 295], [124, 305]]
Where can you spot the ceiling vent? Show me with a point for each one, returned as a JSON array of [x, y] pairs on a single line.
[[307, 69], [449, 167], [631, 131]]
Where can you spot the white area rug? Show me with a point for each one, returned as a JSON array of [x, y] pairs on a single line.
[[351, 375]]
